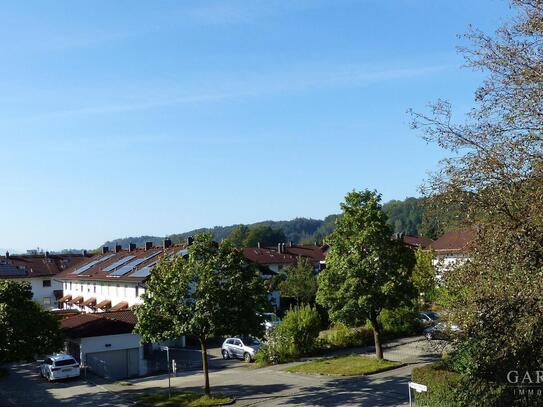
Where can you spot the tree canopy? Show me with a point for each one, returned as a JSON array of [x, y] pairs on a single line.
[[366, 271], [25, 328], [214, 292], [300, 282]]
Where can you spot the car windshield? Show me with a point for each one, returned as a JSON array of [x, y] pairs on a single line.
[[65, 362], [433, 315], [251, 342]]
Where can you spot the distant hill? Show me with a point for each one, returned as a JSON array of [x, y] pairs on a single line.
[[404, 216]]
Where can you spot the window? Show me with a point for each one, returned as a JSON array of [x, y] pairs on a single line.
[[81, 287], [46, 300], [46, 283], [65, 285], [117, 291], [94, 288], [70, 285], [137, 291]]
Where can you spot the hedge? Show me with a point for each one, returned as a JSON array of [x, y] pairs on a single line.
[[440, 382]]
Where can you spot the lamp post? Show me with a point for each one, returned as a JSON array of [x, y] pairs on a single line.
[[167, 349]]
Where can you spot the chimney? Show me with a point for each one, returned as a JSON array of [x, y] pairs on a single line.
[[166, 243], [290, 243], [46, 255], [278, 247], [283, 247], [84, 253], [105, 249], [131, 247], [190, 240], [148, 245], [118, 248], [7, 255], [258, 245]]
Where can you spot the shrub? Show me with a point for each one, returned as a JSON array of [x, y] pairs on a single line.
[[400, 321], [441, 383], [295, 337], [340, 336]]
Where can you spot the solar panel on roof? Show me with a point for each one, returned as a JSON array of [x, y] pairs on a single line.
[[92, 264], [11, 270], [130, 266], [118, 263], [144, 271]]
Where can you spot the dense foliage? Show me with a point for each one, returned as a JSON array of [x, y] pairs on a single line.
[[496, 175], [212, 293], [366, 270], [26, 329], [300, 282]]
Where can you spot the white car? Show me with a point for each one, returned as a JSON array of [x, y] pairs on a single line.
[[239, 348], [270, 320], [56, 367]]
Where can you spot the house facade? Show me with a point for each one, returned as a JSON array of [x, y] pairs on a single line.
[[452, 249], [113, 280], [41, 271]]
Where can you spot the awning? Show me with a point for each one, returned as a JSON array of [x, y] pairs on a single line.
[[104, 304], [91, 302], [66, 298], [120, 306], [77, 300]]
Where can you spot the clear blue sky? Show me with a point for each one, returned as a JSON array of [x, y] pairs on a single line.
[[122, 118]]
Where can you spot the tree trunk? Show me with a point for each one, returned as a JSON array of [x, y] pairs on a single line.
[[203, 347], [377, 337]]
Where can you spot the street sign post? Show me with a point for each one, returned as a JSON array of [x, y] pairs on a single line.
[[167, 349], [419, 388]]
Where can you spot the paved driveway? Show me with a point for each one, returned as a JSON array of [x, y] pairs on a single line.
[[253, 387]]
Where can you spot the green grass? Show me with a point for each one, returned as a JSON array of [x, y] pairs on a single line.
[[350, 365], [186, 399]]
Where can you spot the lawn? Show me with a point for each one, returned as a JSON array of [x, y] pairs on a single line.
[[185, 399], [350, 365]]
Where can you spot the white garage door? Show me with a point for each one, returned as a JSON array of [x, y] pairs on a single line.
[[115, 364]]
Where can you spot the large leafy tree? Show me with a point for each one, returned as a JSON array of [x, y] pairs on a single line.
[[300, 282], [495, 174], [424, 274], [213, 292], [366, 270], [25, 328]]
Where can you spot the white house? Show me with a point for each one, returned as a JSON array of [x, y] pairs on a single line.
[[40, 270], [112, 281], [452, 249]]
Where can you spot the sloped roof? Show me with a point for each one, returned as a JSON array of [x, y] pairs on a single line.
[[38, 265], [418, 241], [98, 324], [289, 254], [454, 241]]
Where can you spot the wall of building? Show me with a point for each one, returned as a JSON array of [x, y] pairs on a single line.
[[44, 296], [114, 291]]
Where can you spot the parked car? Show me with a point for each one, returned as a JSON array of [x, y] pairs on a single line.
[[240, 348], [270, 320], [441, 330], [56, 367], [428, 317]]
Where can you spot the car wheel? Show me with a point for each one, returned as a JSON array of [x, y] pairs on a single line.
[[247, 357], [225, 355]]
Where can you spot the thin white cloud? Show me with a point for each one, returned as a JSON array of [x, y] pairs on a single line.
[[226, 89]]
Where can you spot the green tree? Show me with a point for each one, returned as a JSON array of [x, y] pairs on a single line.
[[214, 292], [366, 270], [495, 173], [300, 283], [265, 235], [238, 235], [25, 328], [424, 273]]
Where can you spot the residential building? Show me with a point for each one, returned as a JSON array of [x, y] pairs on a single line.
[[452, 249], [40, 270], [112, 281]]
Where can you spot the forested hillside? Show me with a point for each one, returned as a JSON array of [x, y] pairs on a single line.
[[412, 216]]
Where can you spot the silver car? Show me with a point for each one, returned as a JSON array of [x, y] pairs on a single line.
[[240, 348]]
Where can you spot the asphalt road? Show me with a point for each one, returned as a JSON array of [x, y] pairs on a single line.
[[252, 387]]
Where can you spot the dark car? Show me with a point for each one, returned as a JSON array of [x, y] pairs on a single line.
[[428, 318], [441, 331]]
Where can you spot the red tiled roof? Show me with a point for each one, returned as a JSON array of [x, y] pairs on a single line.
[[454, 241], [104, 304], [38, 265], [104, 323], [271, 255], [91, 302], [418, 241], [120, 306], [96, 272]]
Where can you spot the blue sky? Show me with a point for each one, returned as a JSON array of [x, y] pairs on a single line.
[[122, 118]]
